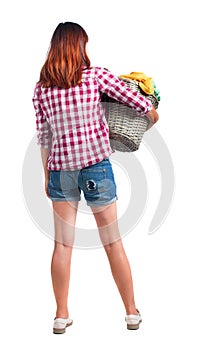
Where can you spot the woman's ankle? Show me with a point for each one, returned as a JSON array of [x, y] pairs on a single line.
[[132, 311], [62, 314]]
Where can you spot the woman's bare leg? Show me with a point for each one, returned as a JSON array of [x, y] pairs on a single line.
[[106, 218], [64, 221]]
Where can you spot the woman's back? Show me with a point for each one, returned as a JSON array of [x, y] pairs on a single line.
[[72, 121]]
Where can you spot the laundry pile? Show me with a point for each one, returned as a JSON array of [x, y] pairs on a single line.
[[146, 84]]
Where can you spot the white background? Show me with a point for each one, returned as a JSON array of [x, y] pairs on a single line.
[[159, 39]]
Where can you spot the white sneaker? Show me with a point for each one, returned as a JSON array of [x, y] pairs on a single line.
[[60, 324], [133, 321]]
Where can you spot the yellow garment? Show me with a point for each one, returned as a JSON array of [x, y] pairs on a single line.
[[145, 83]]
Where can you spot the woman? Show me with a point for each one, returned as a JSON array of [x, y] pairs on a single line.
[[75, 149]]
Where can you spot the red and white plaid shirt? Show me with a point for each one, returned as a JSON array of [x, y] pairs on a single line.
[[71, 122]]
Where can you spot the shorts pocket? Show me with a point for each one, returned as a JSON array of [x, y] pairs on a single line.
[[98, 183]]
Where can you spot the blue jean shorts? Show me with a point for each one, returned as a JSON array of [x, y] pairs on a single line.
[[96, 182]]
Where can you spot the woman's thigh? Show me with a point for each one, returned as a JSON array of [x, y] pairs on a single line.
[[64, 221], [107, 223]]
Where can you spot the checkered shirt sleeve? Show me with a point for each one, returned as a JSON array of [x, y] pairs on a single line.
[[117, 89], [44, 134]]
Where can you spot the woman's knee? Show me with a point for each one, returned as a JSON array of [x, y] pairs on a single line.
[[62, 249], [114, 248]]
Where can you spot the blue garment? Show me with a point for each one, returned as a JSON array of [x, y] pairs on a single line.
[[156, 92], [96, 181]]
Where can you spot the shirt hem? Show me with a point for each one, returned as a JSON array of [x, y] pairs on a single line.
[[82, 165]]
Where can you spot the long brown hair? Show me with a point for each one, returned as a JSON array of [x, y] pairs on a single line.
[[66, 57]]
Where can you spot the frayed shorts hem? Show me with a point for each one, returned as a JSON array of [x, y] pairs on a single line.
[[89, 203], [65, 199], [101, 203]]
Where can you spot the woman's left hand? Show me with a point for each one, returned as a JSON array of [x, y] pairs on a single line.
[[153, 117], [46, 183]]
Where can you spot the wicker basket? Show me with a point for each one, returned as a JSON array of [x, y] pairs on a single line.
[[126, 127]]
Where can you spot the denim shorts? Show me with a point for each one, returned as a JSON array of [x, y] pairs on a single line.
[[96, 181]]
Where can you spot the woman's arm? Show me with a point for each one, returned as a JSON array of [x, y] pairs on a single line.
[[44, 134], [44, 156], [115, 88]]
